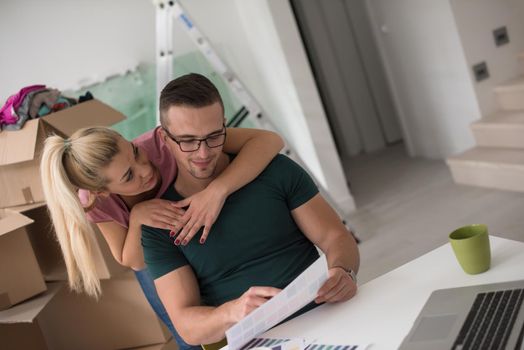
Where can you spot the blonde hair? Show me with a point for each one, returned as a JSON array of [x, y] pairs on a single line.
[[66, 166]]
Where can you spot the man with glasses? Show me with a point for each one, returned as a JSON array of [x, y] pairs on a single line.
[[264, 237], [193, 144]]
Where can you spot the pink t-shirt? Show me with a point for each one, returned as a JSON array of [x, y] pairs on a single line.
[[113, 208]]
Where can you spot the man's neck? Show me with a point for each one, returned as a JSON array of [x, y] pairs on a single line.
[[187, 185]]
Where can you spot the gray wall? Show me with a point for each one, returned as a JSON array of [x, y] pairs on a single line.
[[476, 21], [427, 70]]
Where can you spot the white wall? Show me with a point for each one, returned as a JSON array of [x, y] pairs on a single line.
[[308, 103], [428, 74], [259, 40], [66, 44], [476, 20]]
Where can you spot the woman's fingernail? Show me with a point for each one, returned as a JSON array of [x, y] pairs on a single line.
[[202, 240], [177, 242], [171, 233], [184, 242]]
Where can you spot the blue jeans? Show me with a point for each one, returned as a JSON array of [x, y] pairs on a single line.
[[148, 286]]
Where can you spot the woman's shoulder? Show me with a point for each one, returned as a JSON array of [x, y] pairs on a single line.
[[103, 209]]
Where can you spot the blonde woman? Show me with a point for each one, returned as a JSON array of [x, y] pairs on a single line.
[[97, 176]]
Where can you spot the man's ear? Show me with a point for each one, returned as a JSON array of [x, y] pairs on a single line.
[[163, 134]]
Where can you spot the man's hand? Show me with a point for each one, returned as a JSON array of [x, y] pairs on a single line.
[[250, 300], [158, 213], [338, 287]]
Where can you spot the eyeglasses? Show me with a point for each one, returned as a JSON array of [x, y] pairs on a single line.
[[191, 145]]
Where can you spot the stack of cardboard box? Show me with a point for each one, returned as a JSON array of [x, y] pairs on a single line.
[[37, 309]]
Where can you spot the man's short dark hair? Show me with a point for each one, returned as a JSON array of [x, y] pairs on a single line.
[[192, 90]]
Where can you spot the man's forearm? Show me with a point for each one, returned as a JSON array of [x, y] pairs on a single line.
[[342, 251], [322, 226], [342, 255], [204, 324], [178, 290]]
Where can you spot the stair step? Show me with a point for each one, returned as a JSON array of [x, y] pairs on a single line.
[[503, 129], [510, 96], [498, 168]]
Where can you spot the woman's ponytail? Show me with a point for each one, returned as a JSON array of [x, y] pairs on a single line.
[[60, 183]]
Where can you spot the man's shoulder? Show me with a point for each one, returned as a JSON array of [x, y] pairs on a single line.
[[149, 229], [153, 237], [282, 162], [283, 168]]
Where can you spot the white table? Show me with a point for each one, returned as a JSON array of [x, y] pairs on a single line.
[[385, 308]]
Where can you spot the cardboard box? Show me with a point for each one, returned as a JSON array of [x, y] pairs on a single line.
[[19, 325], [60, 319], [20, 276], [47, 249], [20, 150]]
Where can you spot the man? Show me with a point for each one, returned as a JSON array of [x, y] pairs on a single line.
[[264, 237]]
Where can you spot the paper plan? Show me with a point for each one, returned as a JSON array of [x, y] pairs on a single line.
[[297, 294]]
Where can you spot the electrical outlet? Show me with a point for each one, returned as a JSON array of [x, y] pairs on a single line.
[[480, 70], [501, 36]]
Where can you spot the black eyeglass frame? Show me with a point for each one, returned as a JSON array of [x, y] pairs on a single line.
[[178, 142]]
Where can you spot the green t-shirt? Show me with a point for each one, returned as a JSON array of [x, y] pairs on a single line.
[[254, 241]]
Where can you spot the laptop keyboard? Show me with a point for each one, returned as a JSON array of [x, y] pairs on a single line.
[[490, 320]]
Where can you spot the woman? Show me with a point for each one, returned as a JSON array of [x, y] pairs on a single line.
[[80, 187]]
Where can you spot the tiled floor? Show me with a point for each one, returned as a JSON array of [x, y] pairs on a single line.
[[407, 206]]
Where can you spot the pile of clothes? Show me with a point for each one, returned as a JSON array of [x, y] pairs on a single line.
[[33, 102]]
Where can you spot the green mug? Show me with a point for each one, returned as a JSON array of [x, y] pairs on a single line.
[[471, 246]]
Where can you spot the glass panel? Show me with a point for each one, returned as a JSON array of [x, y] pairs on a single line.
[[133, 93]]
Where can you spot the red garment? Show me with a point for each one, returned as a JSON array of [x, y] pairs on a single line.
[[8, 110]]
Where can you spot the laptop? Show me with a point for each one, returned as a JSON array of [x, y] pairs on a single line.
[[489, 316]]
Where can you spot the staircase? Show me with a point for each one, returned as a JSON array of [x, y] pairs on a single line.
[[498, 159]]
